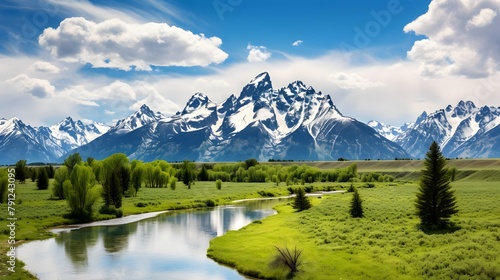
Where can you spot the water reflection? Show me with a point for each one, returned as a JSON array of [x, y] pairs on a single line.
[[170, 246]]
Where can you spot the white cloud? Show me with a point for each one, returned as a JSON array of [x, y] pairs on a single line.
[[43, 66], [297, 43], [37, 87], [108, 112], [257, 53], [484, 18], [460, 38], [353, 81], [116, 44]]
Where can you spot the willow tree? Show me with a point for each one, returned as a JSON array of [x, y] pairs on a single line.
[[435, 201], [81, 192]]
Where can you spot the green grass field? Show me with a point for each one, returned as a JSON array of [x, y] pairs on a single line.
[[385, 244], [36, 211]]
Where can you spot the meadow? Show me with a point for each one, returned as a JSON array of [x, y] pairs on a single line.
[[386, 243], [37, 211]]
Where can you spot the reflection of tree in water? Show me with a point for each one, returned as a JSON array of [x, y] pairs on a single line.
[[115, 238], [76, 244]]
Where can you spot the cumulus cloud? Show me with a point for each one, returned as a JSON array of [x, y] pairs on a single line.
[[297, 43], [353, 81], [43, 66], [37, 87], [116, 44], [460, 38], [119, 95], [484, 18], [257, 53]]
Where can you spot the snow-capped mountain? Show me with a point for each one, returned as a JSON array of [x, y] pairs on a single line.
[[392, 132], [293, 122], [142, 117], [388, 131], [44, 144], [455, 129]]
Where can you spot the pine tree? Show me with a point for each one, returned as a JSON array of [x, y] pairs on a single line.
[[42, 182], [435, 201], [301, 202], [356, 209]]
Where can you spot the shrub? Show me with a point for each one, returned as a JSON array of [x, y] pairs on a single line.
[[218, 184], [209, 203], [290, 259]]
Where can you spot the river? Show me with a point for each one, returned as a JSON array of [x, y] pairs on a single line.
[[171, 245]]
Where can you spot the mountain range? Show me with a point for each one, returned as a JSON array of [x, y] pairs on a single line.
[[294, 122]]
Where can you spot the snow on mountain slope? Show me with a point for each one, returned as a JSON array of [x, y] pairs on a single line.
[[143, 116], [451, 128], [292, 122]]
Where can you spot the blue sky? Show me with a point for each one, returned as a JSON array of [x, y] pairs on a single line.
[[386, 60]]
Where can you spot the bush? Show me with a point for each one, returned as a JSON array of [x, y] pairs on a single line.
[[290, 190], [209, 203], [351, 188], [218, 184], [309, 189], [290, 259], [140, 204]]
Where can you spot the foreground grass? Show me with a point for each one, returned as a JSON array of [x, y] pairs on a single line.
[[385, 244], [36, 211]]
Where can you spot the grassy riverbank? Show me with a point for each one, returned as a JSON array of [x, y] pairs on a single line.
[[36, 211], [385, 244]]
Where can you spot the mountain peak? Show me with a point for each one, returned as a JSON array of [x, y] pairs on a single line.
[[463, 108], [196, 101], [261, 78], [257, 88]]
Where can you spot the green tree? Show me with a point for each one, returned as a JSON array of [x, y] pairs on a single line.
[[72, 160], [21, 171], [301, 201], [203, 175], [250, 162], [42, 182], [4, 184], [173, 182], [116, 174], [435, 200], [188, 174], [218, 184], [356, 208], [81, 192], [136, 178], [60, 177], [33, 174], [50, 171]]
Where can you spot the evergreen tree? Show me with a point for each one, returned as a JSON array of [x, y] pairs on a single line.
[[116, 174], [435, 201], [33, 174], [301, 201], [21, 170], [42, 182], [50, 171], [203, 175], [356, 209], [218, 184]]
